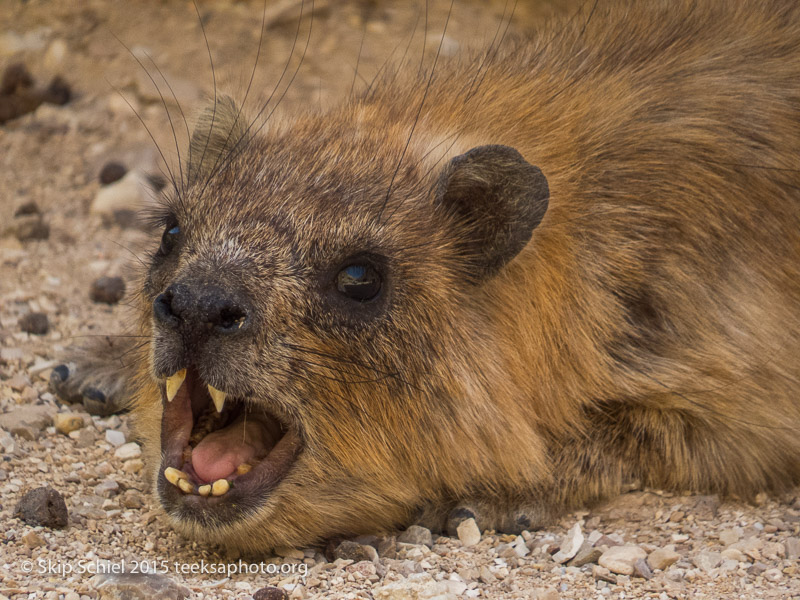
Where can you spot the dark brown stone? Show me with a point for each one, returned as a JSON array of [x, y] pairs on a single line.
[[108, 290], [271, 593], [35, 323], [111, 172], [43, 506]]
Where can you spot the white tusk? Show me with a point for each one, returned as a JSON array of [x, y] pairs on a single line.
[[218, 397], [174, 383]]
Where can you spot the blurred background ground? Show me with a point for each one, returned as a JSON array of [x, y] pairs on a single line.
[[69, 231]]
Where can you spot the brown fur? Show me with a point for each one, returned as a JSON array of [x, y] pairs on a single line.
[[649, 330]]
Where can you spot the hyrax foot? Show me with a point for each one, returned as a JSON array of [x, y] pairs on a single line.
[[503, 520], [76, 387], [95, 378], [488, 516]]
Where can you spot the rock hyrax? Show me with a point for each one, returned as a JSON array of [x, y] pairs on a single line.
[[508, 288]]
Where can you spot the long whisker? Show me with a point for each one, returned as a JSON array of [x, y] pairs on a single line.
[[419, 113], [171, 177], [241, 140], [214, 80], [163, 101]]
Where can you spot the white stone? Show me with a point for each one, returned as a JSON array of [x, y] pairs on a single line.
[[519, 547], [594, 536], [706, 560], [106, 488], [620, 559], [12, 42], [130, 193], [128, 451], [418, 586], [55, 54], [7, 442], [662, 558], [468, 532], [729, 536], [734, 554], [114, 437], [571, 544]]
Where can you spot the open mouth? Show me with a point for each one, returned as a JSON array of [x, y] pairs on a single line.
[[218, 450]]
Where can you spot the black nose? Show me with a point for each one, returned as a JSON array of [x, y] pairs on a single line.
[[197, 309]]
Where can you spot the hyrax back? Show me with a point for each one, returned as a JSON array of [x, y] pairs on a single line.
[[512, 284]]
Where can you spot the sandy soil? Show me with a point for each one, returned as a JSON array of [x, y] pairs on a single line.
[[53, 156]]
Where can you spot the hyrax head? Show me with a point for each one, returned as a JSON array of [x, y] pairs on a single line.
[[316, 329]]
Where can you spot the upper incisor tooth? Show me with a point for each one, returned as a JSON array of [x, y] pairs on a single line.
[[218, 397], [174, 383]]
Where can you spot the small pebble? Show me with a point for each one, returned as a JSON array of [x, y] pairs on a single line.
[[571, 544], [135, 586], [416, 535], [271, 593], [792, 548], [128, 451], [707, 560], [620, 559], [468, 533], [28, 227], [107, 488], [66, 423], [33, 540], [28, 207], [586, 555], [43, 506], [642, 569], [107, 290], [115, 438], [111, 172], [662, 558], [728, 537], [35, 323]]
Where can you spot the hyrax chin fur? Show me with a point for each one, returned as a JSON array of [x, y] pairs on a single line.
[[579, 266]]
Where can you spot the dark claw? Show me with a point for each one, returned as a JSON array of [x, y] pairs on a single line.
[[59, 374], [523, 521], [60, 385], [96, 402]]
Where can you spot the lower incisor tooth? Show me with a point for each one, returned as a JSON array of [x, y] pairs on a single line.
[[220, 487], [204, 490], [243, 468], [174, 475], [186, 486]]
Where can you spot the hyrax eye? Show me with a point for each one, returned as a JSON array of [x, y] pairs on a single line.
[[360, 282], [169, 239]]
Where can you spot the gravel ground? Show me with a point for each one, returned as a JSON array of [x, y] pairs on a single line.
[[644, 544]]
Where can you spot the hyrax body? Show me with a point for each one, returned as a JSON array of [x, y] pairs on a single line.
[[510, 286]]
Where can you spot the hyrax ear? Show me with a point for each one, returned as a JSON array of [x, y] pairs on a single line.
[[221, 128], [498, 199]]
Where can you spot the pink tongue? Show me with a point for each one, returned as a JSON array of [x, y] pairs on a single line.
[[218, 454]]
